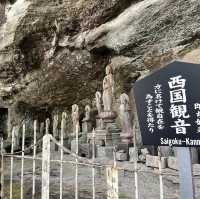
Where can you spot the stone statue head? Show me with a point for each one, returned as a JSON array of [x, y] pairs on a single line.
[[75, 108], [109, 69], [64, 115], [87, 109]]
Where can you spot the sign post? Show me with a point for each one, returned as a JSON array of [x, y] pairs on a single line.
[[168, 106], [185, 172]]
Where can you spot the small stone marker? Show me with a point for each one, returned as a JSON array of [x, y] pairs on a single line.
[[172, 163], [132, 154], [106, 151], [153, 161], [121, 155]]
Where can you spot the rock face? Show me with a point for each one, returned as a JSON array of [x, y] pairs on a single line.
[[53, 52]]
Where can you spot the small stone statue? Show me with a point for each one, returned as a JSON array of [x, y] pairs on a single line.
[[55, 126], [47, 131], [42, 129], [98, 102], [125, 119], [87, 113], [15, 133], [75, 118], [64, 125], [108, 89]]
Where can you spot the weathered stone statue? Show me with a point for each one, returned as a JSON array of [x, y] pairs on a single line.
[[55, 126], [124, 115], [75, 118], [42, 129], [87, 113], [86, 122], [64, 125], [98, 102], [108, 89], [15, 133]]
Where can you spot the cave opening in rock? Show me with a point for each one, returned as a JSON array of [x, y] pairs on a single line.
[[3, 122]]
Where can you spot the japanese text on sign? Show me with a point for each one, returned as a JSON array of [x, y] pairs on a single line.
[[178, 108]]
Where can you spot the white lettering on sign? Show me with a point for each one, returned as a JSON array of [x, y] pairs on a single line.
[[159, 106], [150, 117], [197, 108], [178, 111], [177, 82]]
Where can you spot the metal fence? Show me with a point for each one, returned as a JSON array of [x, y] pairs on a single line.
[[46, 143]]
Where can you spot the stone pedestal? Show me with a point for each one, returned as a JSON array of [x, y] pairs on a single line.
[[106, 151], [107, 132], [108, 116], [115, 132], [85, 150], [102, 137]]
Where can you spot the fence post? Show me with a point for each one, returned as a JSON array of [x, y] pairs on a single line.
[[34, 155], [11, 161], [112, 178], [2, 170], [22, 160], [160, 174], [93, 167], [136, 166], [46, 162], [76, 175], [63, 125]]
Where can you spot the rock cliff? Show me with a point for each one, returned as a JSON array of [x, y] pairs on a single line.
[[53, 53]]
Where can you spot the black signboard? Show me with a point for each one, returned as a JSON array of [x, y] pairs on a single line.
[[168, 106]]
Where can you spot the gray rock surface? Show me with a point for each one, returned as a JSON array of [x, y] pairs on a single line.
[[139, 34]]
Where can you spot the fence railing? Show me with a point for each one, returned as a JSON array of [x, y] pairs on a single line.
[[47, 139]]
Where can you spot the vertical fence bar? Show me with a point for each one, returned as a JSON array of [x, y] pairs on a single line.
[[76, 174], [34, 156], [63, 124], [160, 174], [93, 167], [11, 162], [2, 170], [22, 161], [136, 167], [46, 166]]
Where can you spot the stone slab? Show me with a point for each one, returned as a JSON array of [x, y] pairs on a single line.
[[73, 146], [172, 162], [153, 161], [121, 156], [86, 150], [106, 151], [132, 154]]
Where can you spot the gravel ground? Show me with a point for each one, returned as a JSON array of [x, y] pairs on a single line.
[[148, 181]]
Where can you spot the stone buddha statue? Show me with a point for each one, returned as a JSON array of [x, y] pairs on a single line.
[[108, 89]]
